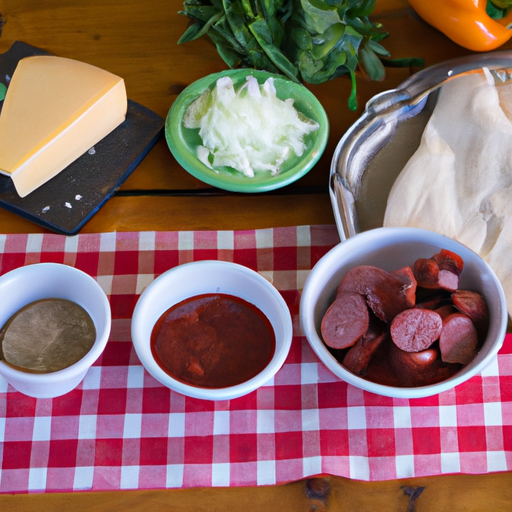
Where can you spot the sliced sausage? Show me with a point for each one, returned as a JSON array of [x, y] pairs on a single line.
[[448, 280], [379, 369], [459, 340], [416, 329], [432, 299], [426, 272], [448, 260], [410, 283], [414, 369], [384, 292], [358, 357], [429, 275], [473, 305], [385, 325], [345, 321], [446, 310]]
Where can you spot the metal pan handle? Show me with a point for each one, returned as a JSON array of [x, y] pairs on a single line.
[[421, 84]]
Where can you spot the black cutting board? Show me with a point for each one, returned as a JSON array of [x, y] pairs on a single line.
[[66, 202]]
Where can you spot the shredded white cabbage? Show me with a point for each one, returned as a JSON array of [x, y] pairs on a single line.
[[250, 130]]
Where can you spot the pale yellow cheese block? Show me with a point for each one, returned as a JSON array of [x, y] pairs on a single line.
[[54, 111]]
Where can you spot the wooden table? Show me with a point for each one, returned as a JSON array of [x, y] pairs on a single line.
[[137, 40]]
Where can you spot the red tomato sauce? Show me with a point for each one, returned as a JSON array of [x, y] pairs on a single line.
[[213, 341]]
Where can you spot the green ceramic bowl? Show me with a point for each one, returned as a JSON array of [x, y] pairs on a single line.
[[183, 142]]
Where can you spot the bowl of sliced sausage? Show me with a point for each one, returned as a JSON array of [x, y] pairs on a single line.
[[403, 312]]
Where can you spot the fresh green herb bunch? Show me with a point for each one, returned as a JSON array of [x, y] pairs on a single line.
[[309, 41], [498, 9]]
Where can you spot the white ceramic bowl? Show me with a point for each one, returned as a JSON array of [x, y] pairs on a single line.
[[202, 277], [390, 249], [29, 283]]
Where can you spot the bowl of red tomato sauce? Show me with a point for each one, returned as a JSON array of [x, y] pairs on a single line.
[[213, 330]]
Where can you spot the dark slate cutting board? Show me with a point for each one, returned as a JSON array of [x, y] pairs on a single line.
[[66, 202]]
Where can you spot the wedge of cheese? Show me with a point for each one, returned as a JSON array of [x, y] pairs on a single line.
[[54, 111]]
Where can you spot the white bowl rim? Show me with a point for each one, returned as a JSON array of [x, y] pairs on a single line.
[[229, 392], [401, 234]]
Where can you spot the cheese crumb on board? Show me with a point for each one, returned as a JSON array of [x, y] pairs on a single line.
[[459, 181], [54, 111]]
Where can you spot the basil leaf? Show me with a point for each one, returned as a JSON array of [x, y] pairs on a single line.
[[377, 48], [323, 44], [198, 29], [200, 12], [372, 64], [235, 17], [223, 28], [362, 8], [225, 50], [309, 41], [498, 9], [260, 30], [318, 15]]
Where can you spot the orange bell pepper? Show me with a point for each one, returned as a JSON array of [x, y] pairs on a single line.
[[465, 22]]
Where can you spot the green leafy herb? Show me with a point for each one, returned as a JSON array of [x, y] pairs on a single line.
[[3, 91], [309, 41], [498, 9]]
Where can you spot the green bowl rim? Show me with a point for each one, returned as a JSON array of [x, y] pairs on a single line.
[[189, 161]]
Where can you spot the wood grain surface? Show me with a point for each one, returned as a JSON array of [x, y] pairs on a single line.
[[137, 39]]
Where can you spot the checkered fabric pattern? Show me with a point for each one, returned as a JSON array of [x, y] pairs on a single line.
[[120, 429]]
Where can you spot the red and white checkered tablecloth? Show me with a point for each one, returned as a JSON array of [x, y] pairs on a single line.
[[120, 429]]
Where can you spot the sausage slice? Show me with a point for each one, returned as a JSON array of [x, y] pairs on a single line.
[[459, 340], [345, 321], [358, 357], [385, 293], [448, 260], [429, 275], [416, 329], [473, 305]]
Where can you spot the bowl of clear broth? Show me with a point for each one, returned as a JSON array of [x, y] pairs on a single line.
[[55, 322], [212, 330]]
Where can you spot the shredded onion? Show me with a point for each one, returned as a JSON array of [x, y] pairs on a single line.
[[250, 130]]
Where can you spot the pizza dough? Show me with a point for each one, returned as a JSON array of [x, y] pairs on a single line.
[[459, 181]]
